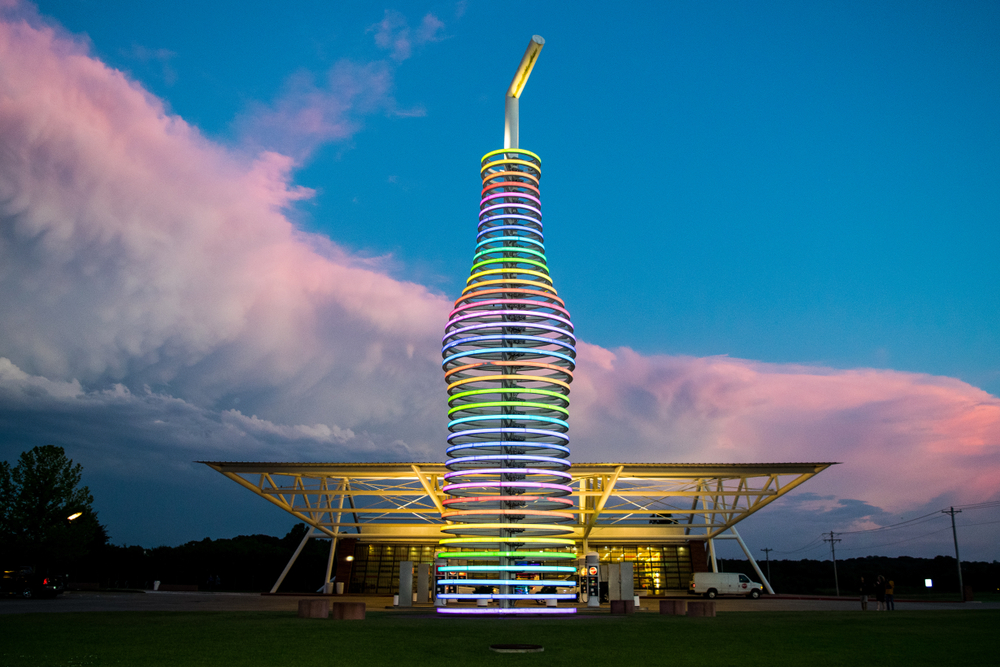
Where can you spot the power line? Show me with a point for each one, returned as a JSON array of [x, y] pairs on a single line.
[[952, 511], [928, 517], [833, 541], [888, 544]]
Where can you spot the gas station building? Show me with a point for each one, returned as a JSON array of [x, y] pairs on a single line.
[[664, 518]]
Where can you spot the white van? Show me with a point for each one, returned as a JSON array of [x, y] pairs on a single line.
[[713, 584]]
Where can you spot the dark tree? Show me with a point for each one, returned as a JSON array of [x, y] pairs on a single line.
[[37, 498]]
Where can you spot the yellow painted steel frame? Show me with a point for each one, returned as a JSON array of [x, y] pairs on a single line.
[[615, 503]]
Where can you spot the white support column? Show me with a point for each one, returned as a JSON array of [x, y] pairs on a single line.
[[711, 553], [756, 568], [291, 561], [328, 585]]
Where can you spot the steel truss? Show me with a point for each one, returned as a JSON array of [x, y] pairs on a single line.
[[614, 503]]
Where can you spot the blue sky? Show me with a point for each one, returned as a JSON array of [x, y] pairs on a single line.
[[784, 182], [796, 185]]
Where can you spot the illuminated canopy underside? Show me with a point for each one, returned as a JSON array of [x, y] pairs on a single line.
[[612, 503]]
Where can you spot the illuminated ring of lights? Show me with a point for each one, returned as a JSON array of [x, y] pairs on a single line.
[[533, 555], [508, 354], [482, 611], [507, 568]]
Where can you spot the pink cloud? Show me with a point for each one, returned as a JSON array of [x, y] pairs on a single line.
[[133, 250], [904, 438]]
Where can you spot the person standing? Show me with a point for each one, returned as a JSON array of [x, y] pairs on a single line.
[[890, 595], [863, 590], [880, 593]]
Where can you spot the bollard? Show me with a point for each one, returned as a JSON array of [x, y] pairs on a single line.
[[348, 611], [673, 607], [314, 608], [622, 607], [701, 608]]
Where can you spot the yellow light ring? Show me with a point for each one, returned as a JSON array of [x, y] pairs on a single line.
[[510, 260], [516, 540], [548, 528], [534, 391], [505, 151], [475, 287], [532, 364]]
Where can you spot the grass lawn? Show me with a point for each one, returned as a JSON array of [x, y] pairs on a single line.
[[399, 640]]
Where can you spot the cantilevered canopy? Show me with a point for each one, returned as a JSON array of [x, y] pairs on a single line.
[[614, 503]]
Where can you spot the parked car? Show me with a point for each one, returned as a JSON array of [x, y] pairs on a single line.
[[714, 584], [25, 583]]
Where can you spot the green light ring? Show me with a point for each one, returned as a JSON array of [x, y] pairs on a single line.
[[504, 151], [470, 407], [526, 390]]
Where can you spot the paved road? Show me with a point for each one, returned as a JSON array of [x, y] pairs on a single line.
[[171, 601]]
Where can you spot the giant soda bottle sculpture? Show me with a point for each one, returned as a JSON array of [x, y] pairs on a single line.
[[509, 354]]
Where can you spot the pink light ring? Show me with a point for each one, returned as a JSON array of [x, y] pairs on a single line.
[[489, 499], [509, 457], [500, 611], [498, 302], [526, 302], [507, 596], [486, 484], [510, 195], [501, 217], [515, 430], [505, 582], [508, 471], [543, 341]]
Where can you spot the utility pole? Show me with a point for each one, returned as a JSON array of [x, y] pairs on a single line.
[[767, 556], [833, 550], [961, 588]]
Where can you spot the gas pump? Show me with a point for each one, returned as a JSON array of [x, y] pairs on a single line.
[[439, 576], [592, 579]]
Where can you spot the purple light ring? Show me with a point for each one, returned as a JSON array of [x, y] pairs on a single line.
[[525, 302], [517, 430], [486, 484], [486, 611], [493, 313], [510, 195], [506, 324], [512, 457], [531, 210]]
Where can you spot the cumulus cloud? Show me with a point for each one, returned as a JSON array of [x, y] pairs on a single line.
[[309, 112], [393, 33], [889, 428], [156, 305]]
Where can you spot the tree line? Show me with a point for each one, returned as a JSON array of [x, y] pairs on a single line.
[[47, 521], [816, 577]]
